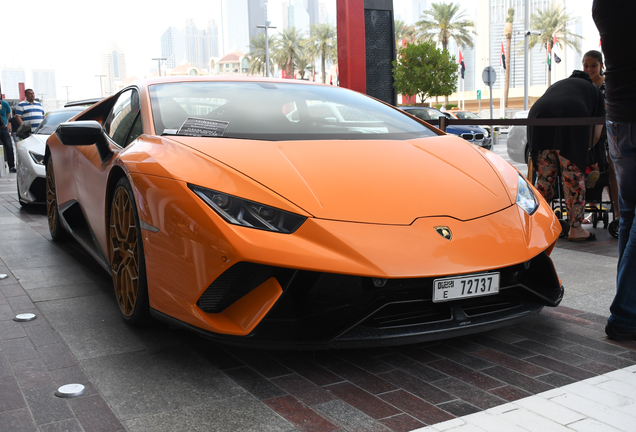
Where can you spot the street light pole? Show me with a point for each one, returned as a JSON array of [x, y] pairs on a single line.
[[266, 27], [159, 60], [101, 85], [526, 43], [66, 87]]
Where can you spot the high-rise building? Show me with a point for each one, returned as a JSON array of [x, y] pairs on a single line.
[[44, 84], [313, 10], [257, 15], [235, 32], [11, 77], [173, 47], [113, 69]]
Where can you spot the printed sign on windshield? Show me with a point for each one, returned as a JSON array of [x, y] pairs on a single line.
[[199, 127]]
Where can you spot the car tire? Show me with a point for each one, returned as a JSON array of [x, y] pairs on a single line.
[[126, 252], [57, 231]]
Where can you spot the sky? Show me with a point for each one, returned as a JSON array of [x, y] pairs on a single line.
[[70, 36]]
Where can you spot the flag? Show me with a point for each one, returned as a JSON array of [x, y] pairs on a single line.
[[548, 60], [461, 63], [557, 59], [503, 56]]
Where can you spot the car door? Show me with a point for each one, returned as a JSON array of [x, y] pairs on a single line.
[[123, 125]]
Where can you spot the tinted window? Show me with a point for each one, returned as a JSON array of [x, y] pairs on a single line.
[[120, 120], [53, 120], [276, 111]]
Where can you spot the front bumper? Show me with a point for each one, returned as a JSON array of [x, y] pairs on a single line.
[[320, 310]]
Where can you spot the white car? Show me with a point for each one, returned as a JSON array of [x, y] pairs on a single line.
[[517, 142], [31, 173]]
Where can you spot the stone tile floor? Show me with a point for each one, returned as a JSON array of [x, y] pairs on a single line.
[[160, 379]]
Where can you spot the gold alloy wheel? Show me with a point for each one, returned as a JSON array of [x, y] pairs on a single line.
[[51, 197], [124, 251]]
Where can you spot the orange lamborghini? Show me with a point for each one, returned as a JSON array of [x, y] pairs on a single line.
[[287, 214]]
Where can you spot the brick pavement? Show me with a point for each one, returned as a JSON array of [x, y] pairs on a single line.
[[159, 378]]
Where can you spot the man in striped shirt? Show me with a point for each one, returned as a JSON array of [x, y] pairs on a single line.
[[29, 110]]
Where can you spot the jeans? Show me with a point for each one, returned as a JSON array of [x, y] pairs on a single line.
[[5, 137], [622, 149]]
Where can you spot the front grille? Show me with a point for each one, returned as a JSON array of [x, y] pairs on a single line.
[[38, 189], [472, 137]]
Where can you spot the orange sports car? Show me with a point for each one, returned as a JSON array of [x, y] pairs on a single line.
[[288, 214]]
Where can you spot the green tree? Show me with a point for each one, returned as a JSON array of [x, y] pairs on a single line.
[[425, 70], [550, 22], [444, 22], [303, 65], [323, 44], [257, 54], [287, 48], [404, 32], [508, 34]]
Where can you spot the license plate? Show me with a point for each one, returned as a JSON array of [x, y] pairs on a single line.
[[454, 288]]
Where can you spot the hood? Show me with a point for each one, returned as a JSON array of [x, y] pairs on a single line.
[[368, 181], [35, 143]]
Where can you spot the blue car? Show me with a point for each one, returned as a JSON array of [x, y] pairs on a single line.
[[474, 134]]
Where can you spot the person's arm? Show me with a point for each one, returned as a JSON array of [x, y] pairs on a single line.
[[18, 114]]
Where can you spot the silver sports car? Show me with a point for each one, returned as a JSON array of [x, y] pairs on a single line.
[[31, 173]]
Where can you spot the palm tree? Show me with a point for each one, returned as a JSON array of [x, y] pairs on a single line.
[[444, 22], [287, 48], [508, 34], [403, 32], [303, 64], [551, 22], [257, 54], [323, 43]]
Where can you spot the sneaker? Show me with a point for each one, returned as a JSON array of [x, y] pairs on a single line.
[[12, 170], [591, 179], [619, 333]]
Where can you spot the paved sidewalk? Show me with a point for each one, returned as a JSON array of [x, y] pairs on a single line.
[[601, 404], [161, 379]]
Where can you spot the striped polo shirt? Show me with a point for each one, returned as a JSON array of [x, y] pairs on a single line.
[[32, 112]]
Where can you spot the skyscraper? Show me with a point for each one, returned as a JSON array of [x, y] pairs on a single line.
[[44, 83], [173, 47], [257, 15], [10, 80], [113, 69], [236, 34]]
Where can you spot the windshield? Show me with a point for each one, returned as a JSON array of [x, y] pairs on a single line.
[[276, 112], [466, 115], [53, 120]]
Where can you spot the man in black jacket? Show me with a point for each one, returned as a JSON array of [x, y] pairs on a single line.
[[614, 20]]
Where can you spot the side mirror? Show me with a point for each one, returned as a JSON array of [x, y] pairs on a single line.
[[24, 131], [85, 132]]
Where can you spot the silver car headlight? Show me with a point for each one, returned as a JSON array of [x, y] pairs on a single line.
[[525, 196], [250, 214], [37, 158]]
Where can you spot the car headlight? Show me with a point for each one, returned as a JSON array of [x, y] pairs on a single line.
[[486, 134], [239, 211], [525, 196], [37, 158]]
